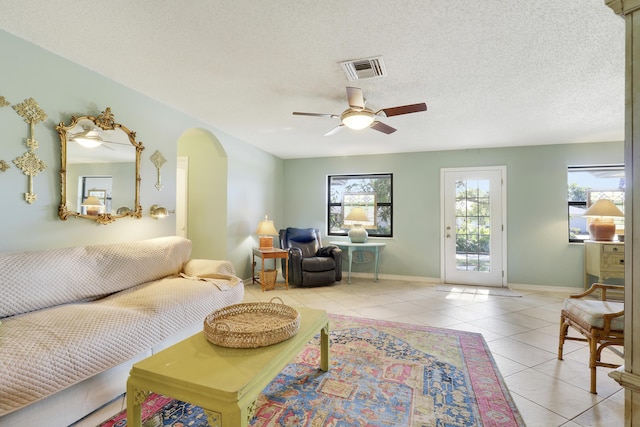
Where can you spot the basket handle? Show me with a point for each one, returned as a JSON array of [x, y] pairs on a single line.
[[217, 326], [278, 298]]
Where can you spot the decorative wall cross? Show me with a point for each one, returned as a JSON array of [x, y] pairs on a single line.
[[29, 163], [4, 165], [158, 160]]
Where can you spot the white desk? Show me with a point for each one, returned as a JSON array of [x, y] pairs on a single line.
[[369, 246]]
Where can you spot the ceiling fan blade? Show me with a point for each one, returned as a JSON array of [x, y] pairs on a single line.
[[405, 109], [381, 127], [298, 113], [335, 130], [355, 97]]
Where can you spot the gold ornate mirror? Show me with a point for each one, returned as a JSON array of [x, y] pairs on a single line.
[[100, 172]]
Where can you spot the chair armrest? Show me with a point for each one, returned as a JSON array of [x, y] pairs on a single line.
[[608, 318], [329, 251], [601, 287], [295, 266], [295, 252]]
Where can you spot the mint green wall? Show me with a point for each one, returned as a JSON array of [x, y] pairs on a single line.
[[537, 242], [259, 184], [62, 89]]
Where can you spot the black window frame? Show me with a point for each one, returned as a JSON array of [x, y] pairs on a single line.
[[388, 206]]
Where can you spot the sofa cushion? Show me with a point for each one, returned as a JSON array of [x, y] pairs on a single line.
[[34, 280], [45, 351]]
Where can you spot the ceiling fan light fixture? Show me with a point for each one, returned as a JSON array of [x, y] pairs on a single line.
[[357, 120], [88, 138]]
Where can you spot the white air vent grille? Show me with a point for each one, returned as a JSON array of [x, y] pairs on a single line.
[[366, 68]]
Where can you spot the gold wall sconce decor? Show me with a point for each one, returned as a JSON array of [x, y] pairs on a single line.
[[158, 160], [29, 163], [123, 210], [158, 212], [4, 102], [91, 146]]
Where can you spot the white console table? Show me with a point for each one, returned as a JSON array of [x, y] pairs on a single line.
[[369, 246]]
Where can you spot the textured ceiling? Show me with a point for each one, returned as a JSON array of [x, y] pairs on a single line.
[[493, 73]]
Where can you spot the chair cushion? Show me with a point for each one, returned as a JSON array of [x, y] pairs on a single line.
[[591, 312], [318, 264], [306, 239]]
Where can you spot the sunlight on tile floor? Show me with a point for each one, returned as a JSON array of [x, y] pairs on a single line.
[[522, 333]]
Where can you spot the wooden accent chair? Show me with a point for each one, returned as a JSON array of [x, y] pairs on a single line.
[[599, 319]]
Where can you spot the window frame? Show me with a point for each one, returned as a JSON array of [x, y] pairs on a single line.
[[331, 206]]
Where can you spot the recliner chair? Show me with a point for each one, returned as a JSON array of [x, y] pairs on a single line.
[[310, 264]]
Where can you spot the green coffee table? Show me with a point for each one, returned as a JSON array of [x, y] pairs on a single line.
[[225, 382]]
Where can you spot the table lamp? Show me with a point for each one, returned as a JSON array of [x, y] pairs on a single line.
[[266, 230], [601, 227], [357, 233], [92, 206]]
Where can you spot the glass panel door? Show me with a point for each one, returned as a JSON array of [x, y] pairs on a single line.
[[473, 232]]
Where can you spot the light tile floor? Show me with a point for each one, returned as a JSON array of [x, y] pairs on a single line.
[[522, 333]]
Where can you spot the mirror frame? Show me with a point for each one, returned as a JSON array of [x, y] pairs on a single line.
[[105, 121]]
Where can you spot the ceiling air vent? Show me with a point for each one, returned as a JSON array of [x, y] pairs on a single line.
[[367, 68]]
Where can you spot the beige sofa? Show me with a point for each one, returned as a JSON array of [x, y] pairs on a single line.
[[74, 320]]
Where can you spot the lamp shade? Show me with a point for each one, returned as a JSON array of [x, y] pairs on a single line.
[[266, 227], [357, 215], [91, 201], [603, 207]]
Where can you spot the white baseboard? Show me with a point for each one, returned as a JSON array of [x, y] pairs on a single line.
[[546, 289], [437, 280]]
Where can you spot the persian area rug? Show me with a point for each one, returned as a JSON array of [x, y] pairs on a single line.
[[382, 374]]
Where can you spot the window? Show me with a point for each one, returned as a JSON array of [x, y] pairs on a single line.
[[586, 184], [371, 192]]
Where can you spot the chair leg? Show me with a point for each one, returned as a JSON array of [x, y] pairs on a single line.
[[564, 326], [593, 357]]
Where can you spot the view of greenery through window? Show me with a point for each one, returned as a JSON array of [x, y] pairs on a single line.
[[376, 187], [586, 184], [473, 225]]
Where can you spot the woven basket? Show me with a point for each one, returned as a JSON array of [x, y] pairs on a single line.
[[252, 325], [268, 279]]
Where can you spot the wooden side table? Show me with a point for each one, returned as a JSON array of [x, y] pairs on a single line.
[[274, 254]]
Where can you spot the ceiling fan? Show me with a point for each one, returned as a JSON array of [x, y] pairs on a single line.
[[357, 116], [91, 137]]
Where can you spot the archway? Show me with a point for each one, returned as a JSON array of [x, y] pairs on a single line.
[[203, 162]]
